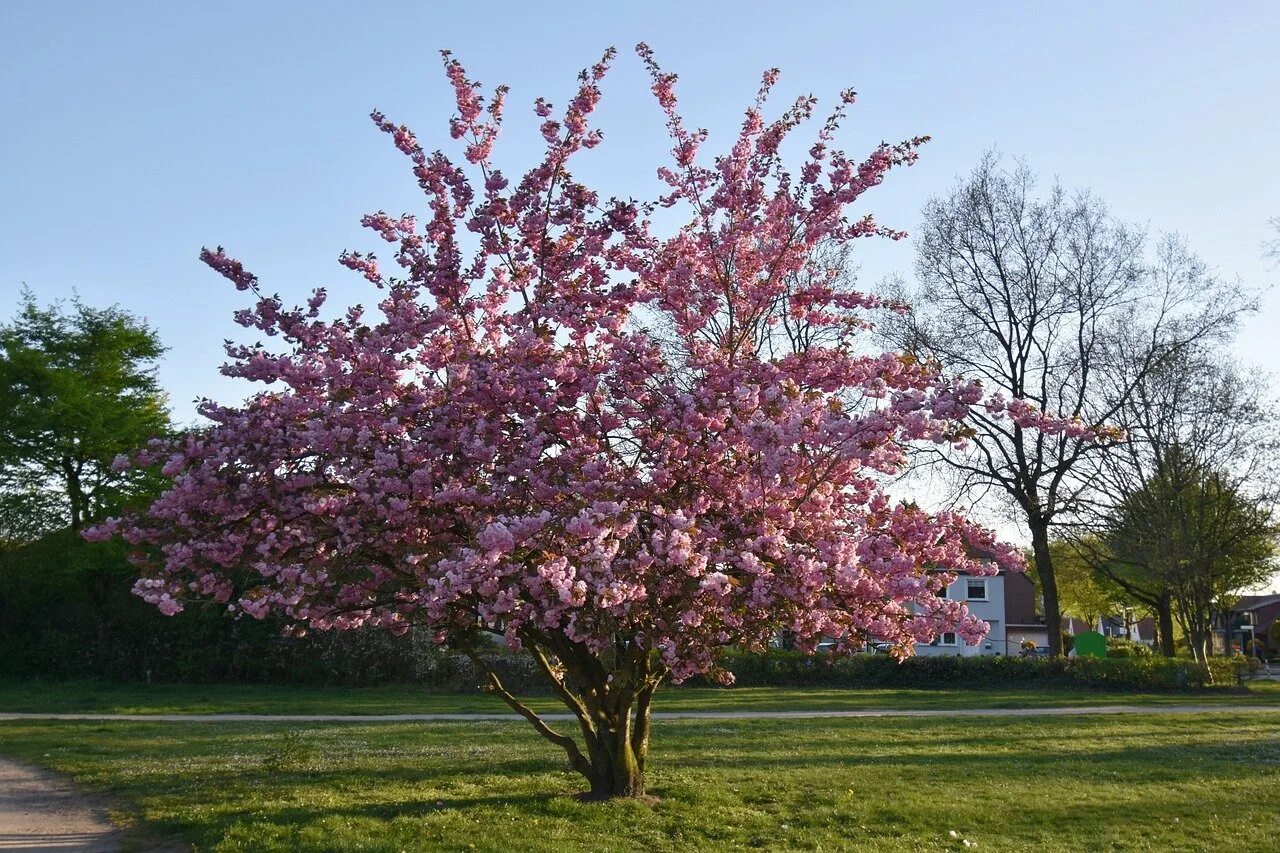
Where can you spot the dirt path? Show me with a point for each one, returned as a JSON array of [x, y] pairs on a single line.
[[662, 715], [40, 811]]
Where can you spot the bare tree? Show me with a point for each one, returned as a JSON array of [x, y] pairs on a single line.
[[1049, 299]]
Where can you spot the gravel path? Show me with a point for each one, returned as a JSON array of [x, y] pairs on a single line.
[[40, 811], [661, 715]]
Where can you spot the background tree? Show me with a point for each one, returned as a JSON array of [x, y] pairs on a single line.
[[1143, 582], [77, 389], [1194, 420], [1208, 538], [26, 514], [508, 450], [1040, 299], [1084, 593]]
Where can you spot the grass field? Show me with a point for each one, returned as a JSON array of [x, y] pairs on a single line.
[[1071, 783], [104, 697]]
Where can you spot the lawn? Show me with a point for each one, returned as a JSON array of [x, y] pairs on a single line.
[[90, 696], [1071, 783]]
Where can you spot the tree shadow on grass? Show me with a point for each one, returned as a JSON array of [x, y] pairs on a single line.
[[541, 797], [722, 745], [387, 784], [1147, 756], [334, 776]]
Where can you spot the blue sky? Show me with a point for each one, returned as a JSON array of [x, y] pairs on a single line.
[[138, 132]]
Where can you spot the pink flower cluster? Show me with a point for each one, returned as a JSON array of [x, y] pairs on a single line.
[[579, 432]]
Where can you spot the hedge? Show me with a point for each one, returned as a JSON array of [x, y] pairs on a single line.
[[66, 612], [794, 669]]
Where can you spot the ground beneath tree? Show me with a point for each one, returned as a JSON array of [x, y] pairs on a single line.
[[41, 811]]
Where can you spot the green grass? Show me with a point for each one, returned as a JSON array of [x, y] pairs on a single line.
[[1071, 783], [105, 697]]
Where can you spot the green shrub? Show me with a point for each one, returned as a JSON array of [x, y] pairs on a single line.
[[793, 669], [1119, 647], [96, 629], [1231, 670]]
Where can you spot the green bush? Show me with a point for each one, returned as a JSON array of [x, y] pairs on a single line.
[[1119, 647], [66, 612], [1232, 670], [794, 669]]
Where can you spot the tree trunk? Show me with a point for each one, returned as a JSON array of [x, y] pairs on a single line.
[[75, 494], [616, 769], [1201, 643], [1164, 615], [1048, 586], [612, 707]]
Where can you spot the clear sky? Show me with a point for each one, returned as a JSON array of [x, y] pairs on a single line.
[[137, 132]]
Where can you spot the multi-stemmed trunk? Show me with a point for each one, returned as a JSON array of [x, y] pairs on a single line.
[[609, 695], [615, 761]]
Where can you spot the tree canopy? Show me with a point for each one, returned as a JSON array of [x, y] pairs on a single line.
[[515, 448], [1083, 592], [1202, 535], [77, 389]]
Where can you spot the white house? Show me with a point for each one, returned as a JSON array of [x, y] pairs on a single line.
[[1008, 602]]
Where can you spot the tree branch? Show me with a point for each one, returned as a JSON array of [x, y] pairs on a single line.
[[494, 685]]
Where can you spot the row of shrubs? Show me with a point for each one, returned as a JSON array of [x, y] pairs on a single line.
[[99, 630], [66, 613], [198, 648], [793, 669], [457, 673], [244, 652]]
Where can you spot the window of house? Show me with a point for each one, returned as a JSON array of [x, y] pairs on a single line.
[[942, 592], [976, 589], [947, 639]]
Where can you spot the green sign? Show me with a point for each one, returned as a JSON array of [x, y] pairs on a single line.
[[1091, 644]]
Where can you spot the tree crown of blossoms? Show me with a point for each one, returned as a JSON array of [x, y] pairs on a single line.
[[566, 426]]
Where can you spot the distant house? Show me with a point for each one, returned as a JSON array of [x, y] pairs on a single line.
[[1142, 631], [1250, 618], [1007, 602]]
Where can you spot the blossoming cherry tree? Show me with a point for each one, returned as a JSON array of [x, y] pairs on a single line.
[[619, 450]]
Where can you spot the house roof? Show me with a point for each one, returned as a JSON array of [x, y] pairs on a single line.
[[1000, 572], [1253, 602]]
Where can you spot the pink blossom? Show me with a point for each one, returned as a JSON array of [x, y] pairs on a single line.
[[507, 444], [496, 538]]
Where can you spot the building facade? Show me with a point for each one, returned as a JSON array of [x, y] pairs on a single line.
[[1007, 602], [1251, 618]]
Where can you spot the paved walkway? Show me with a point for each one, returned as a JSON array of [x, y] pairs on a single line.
[[40, 811], [660, 715]]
